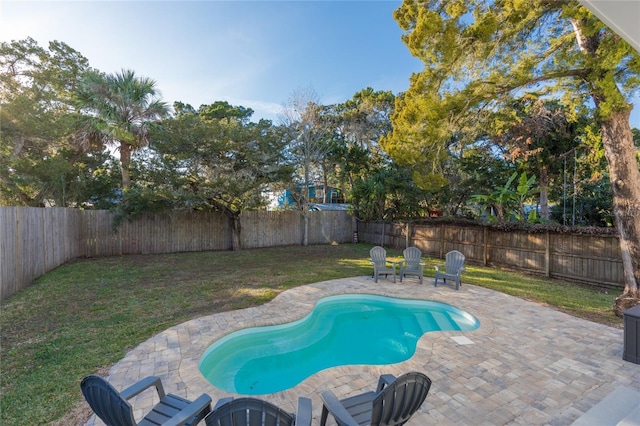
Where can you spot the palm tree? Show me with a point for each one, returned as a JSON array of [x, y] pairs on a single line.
[[120, 108]]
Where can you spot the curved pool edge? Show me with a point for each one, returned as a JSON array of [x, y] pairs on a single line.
[[224, 355], [296, 303], [175, 353]]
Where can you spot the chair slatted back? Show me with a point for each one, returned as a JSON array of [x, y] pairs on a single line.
[[249, 412], [106, 402], [454, 260], [397, 402], [412, 256], [378, 256]]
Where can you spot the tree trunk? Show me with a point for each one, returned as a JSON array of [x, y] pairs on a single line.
[[305, 203], [544, 193], [235, 233], [624, 173], [625, 184], [325, 182], [125, 160], [234, 222]]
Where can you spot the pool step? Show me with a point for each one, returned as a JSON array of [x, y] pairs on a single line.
[[444, 321], [620, 408]]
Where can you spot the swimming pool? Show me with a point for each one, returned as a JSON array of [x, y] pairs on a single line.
[[340, 330]]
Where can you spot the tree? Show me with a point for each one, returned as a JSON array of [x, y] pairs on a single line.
[[479, 54], [360, 122], [38, 162], [308, 141], [214, 158], [508, 203], [120, 109], [542, 132]]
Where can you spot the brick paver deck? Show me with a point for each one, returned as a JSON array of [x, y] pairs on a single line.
[[526, 364]]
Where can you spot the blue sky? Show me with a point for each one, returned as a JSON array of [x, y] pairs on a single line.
[[249, 53]]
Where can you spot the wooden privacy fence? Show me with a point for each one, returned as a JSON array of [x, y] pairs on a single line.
[[591, 259], [34, 241]]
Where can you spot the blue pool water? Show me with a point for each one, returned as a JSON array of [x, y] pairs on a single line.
[[341, 330]]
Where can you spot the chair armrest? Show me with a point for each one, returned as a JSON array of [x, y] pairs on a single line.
[[385, 380], [303, 415], [200, 405], [438, 267], [337, 410], [222, 401], [143, 385]]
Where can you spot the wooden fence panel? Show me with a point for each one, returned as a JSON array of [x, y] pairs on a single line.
[[428, 239], [517, 250], [10, 264], [592, 259], [595, 259], [99, 236], [467, 240], [329, 227], [269, 229], [34, 241]]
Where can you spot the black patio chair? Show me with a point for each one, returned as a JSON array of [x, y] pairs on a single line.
[[393, 403], [256, 412], [113, 408]]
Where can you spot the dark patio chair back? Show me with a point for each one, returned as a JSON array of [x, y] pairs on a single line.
[[249, 412], [398, 401], [106, 402]]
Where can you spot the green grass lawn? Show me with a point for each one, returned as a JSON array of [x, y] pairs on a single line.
[[84, 316]]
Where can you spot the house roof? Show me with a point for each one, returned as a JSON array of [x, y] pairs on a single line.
[[621, 16], [329, 206]]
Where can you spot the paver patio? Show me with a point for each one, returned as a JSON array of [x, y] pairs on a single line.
[[525, 365]]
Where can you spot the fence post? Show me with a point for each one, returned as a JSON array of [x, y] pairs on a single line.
[[442, 241], [547, 255], [408, 236], [485, 254]]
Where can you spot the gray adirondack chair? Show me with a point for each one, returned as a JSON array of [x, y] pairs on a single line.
[[411, 264], [393, 403], [451, 270], [381, 266], [256, 412], [114, 409]]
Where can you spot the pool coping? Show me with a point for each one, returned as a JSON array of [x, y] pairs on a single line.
[[525, 364]]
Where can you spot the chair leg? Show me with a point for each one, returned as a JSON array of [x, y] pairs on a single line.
[[323, 417]]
